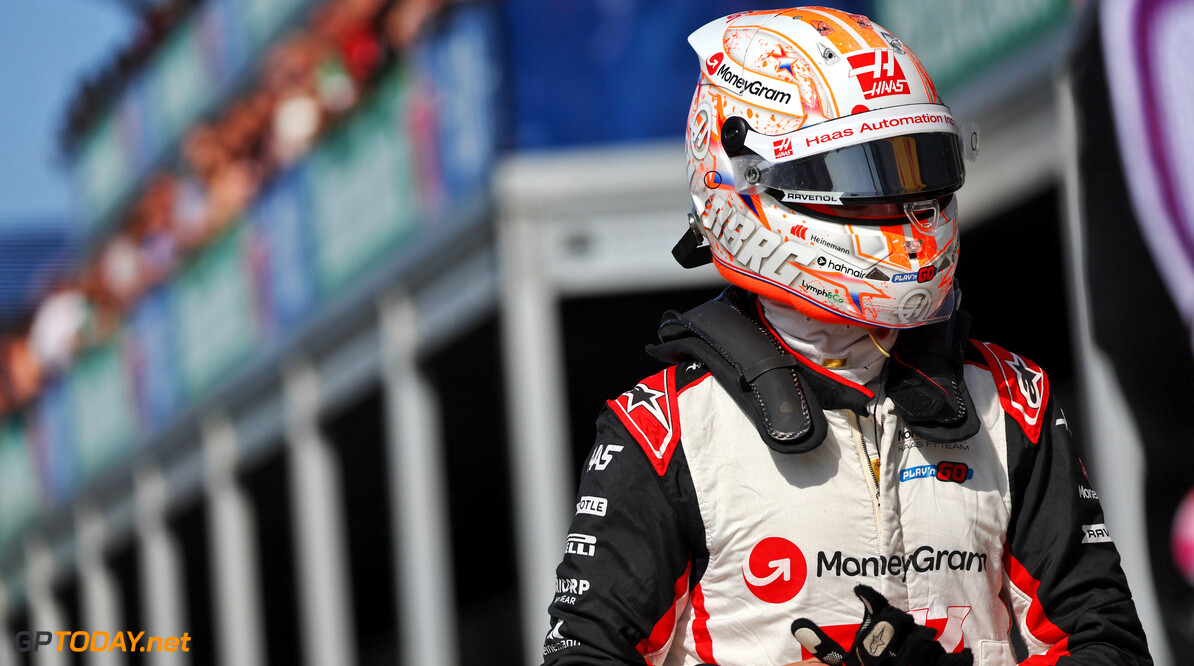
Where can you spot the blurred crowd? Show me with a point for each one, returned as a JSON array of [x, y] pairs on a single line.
[[308, 82]]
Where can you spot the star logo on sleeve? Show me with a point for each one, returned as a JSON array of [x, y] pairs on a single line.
[[1028, 379], [1022, 384], [651, 415], [647, 398]]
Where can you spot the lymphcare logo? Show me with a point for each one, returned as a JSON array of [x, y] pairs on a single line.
[[99, 641]]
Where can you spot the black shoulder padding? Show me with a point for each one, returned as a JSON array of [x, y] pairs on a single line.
[[750, 365], [784, 398], [926, 384]]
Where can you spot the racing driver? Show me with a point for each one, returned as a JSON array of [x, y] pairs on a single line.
[[829, 470]]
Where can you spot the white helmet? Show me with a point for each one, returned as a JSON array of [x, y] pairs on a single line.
[[822, 166]]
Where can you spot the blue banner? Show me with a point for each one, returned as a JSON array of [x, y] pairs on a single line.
[[455, 112], [284, 262], [101, 409], [606, 71], [19, 497], [51, 435], [152, 360]]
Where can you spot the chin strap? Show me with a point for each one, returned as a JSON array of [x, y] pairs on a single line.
[[691, 250]]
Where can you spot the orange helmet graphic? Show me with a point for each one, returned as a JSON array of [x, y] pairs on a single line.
[[822, 167]]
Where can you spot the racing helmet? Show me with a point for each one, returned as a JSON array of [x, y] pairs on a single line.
[[822, 166]]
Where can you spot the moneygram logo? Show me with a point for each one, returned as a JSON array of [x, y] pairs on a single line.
[[713, 62], [879, 74], [754, 87], [775, 570], [925, 559]]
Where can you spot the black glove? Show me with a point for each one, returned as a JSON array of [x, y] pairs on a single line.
[[887, 637]]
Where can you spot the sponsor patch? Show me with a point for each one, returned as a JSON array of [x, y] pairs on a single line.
[[953, 472], [555, 641], [1096, 533], [602, 456], [745, 85], [775, 570], [878, 73], [594, 506], [713, 62], [650, 414], [782, 147], [568, 589], [925, 559], [1023, 387], [581, 544]]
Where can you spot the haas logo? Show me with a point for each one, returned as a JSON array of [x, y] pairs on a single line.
[[782, 147], [713, 62], [879, 74], [775, 570]]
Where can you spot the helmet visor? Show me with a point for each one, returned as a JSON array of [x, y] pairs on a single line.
[[910, 166]]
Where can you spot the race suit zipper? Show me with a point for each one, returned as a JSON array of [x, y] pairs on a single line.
[[872, 478]]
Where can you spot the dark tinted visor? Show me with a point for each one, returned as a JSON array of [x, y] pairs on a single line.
[[913, 166]]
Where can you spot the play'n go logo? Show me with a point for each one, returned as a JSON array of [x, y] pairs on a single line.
[[775, 570], [713, 62]]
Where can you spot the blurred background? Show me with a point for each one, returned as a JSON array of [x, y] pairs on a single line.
[[307, 306]]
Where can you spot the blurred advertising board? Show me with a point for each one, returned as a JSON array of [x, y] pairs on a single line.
[[152, 361], [362, 189], [104, 171], [200, 62], [423, 141], [214, 314], [100, 400], [608, 72], [50, 432], [181, 83], [282, 254], [958, 38], [454, 113], [262, 19], [19, 495]]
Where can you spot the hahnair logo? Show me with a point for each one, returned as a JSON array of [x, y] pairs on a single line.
[[713, 62], [782, 148], [879, 73]]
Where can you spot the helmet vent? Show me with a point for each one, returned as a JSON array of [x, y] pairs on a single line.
[[877, 274]]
